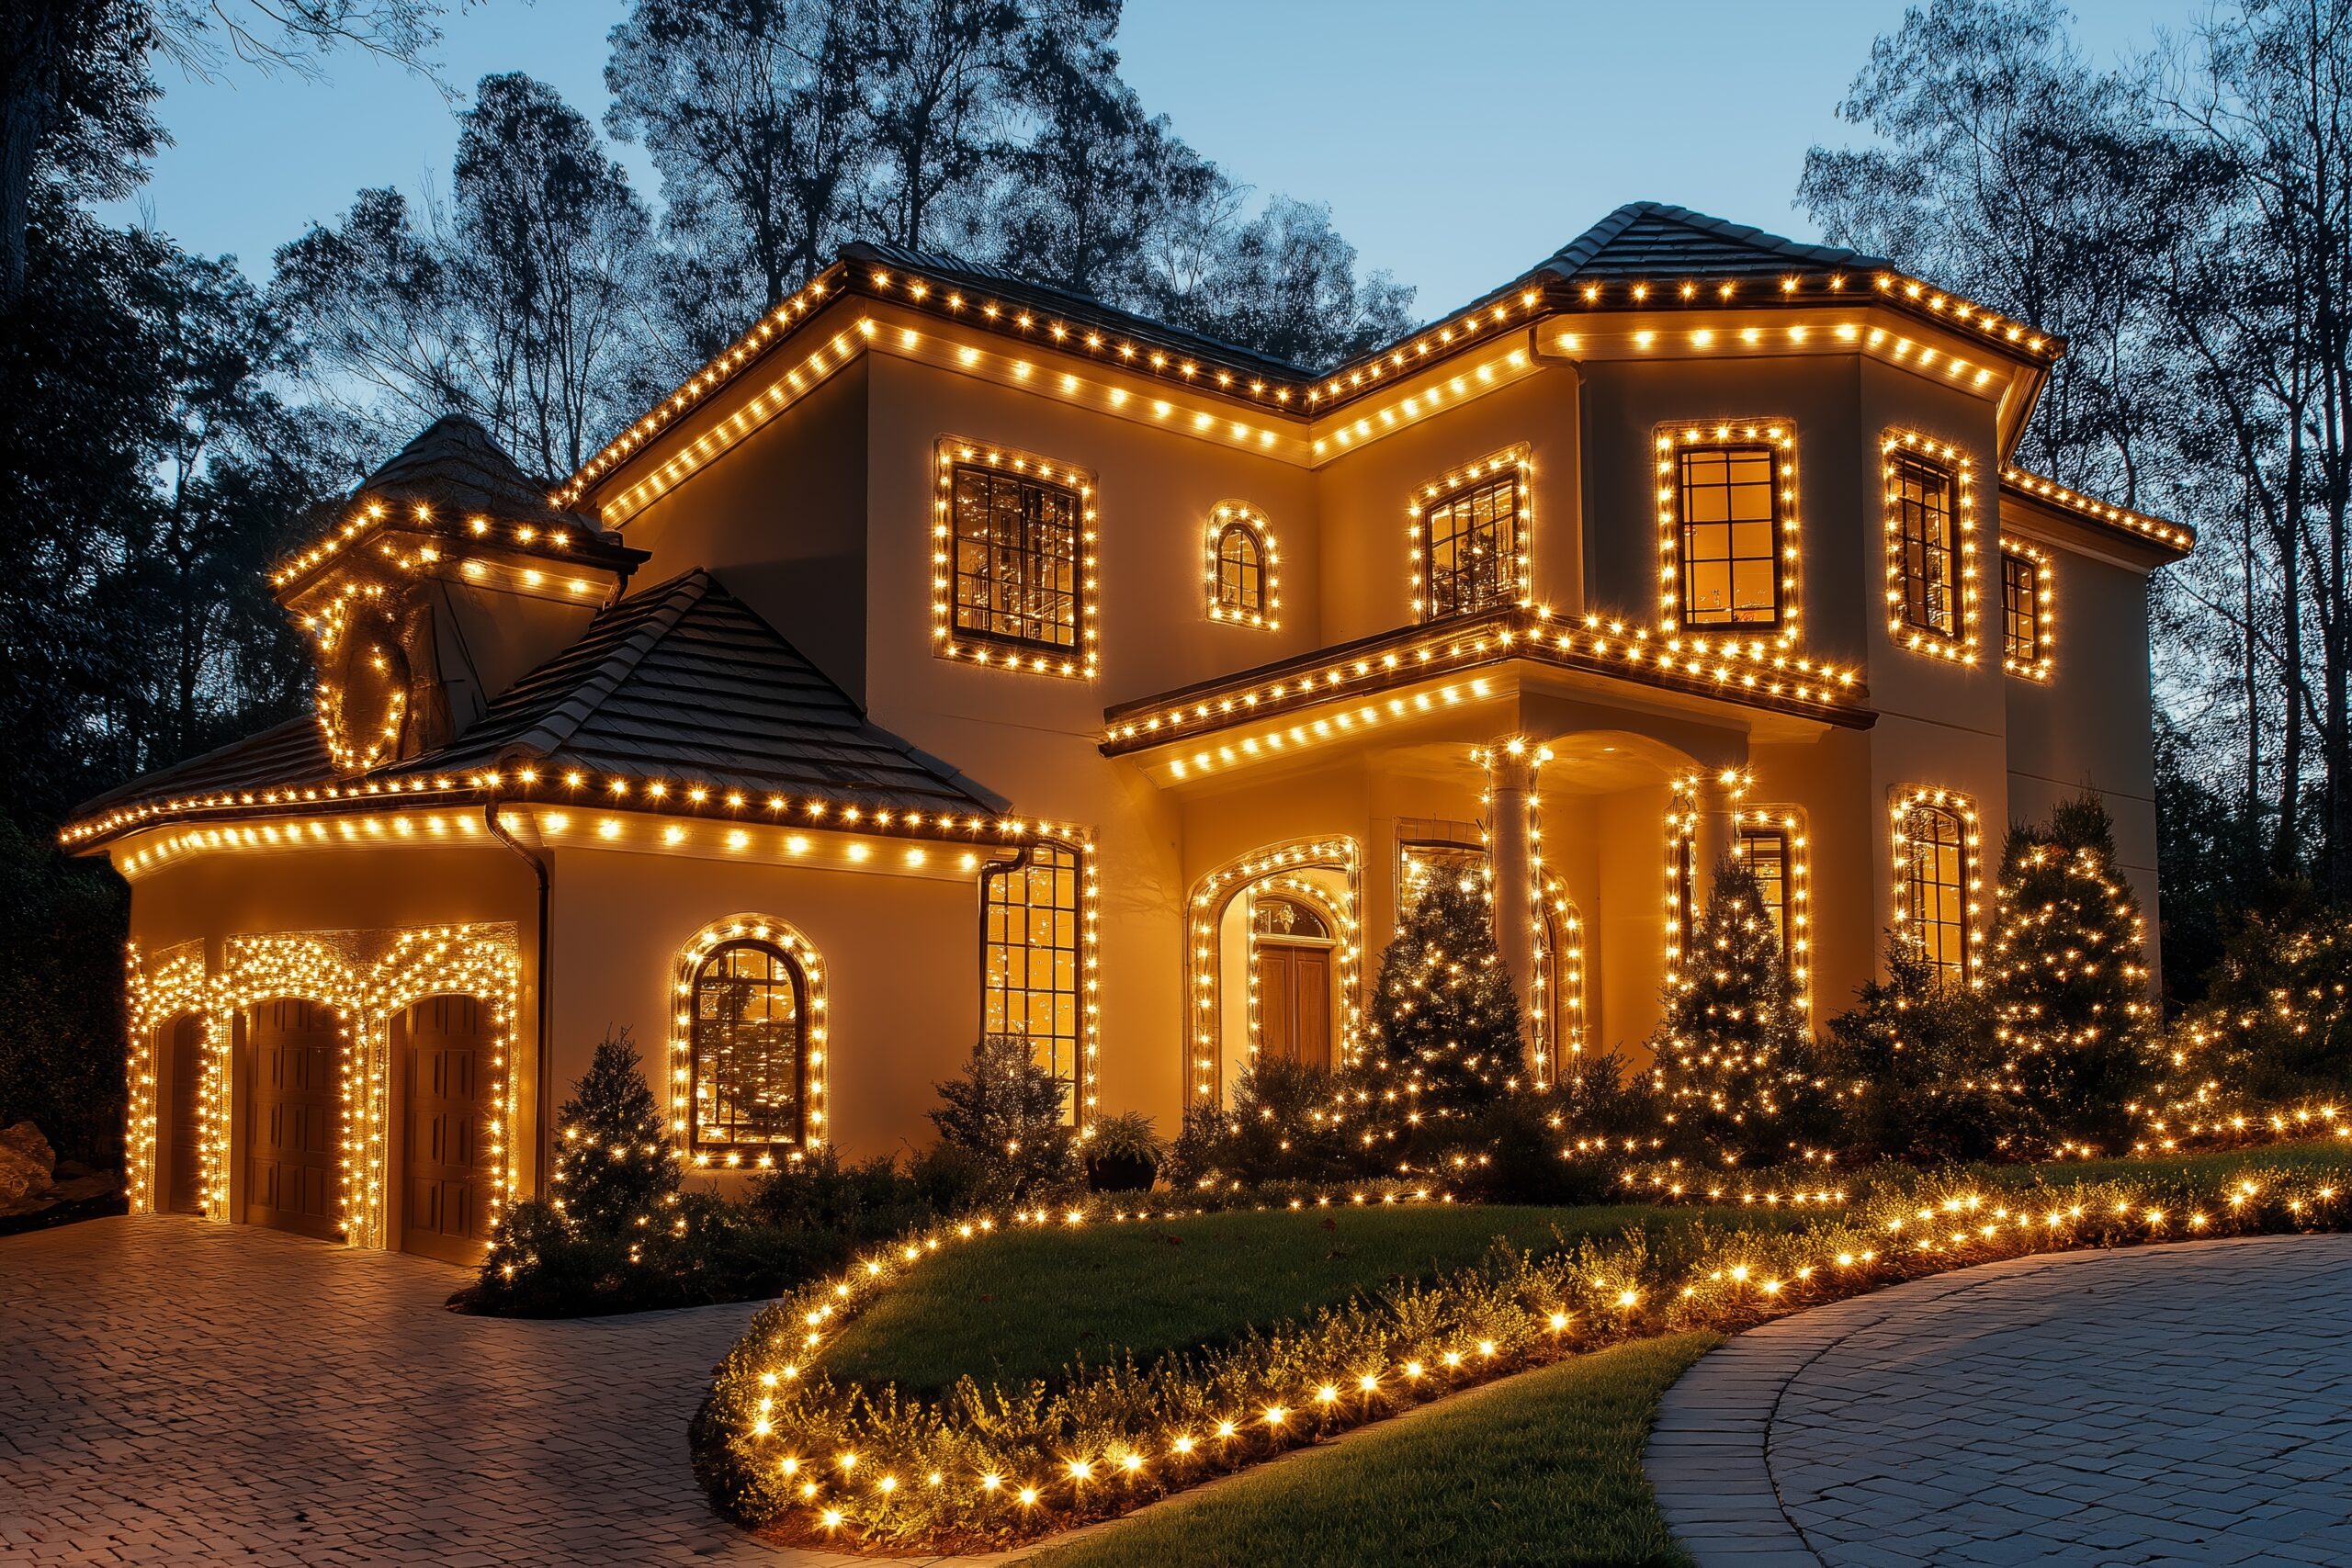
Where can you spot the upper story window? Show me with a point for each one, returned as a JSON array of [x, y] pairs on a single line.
[[1242, 586], [748, 1047], [1728, 501], [1470, 538], [1930, 549], [1013, 561], [2024, 611]]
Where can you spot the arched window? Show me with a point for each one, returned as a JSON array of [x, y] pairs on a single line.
[[749, 1048], [1240, 573], [1936, 887], [1277, 917]]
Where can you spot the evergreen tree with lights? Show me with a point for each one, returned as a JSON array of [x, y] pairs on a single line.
[[2067, 975], [1730, 1079], [1913, 1072], [615, 1168], [1447, 1037]]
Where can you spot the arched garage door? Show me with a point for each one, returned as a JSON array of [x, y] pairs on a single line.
[[442, 1046]]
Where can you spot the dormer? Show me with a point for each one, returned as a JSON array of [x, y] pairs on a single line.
[[451, 576]]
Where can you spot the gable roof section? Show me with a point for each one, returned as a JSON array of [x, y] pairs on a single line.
[[680, 687], [1657, 242]]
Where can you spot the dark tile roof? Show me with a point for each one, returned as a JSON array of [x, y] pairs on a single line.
[[681, 683], [455, 465], [1656, 240]]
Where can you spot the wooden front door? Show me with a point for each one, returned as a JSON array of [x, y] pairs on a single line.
[[444, 1193], [291, 1128], [182, 1152], [1294, 1001]]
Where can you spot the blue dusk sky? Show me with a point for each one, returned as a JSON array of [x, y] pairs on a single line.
[[1456, 142]]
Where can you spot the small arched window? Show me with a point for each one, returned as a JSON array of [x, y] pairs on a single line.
[[1277, 917], [1240, 573], [749, 1048]]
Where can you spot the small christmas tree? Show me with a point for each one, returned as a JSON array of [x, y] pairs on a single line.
[[1446, 1031], [2068, 976], [1006, 1114], [1730, 1044], [615, 1168]]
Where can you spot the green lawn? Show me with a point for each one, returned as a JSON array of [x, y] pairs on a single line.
[[2214, 1167], [1025, 1305], [1543, 1468]]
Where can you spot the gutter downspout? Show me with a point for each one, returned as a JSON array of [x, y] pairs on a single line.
[[545, 997]]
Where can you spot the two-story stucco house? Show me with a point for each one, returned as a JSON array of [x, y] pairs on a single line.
[[956, 655]]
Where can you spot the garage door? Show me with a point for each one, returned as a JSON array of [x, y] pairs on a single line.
[[291, 1133], [444, 1052]]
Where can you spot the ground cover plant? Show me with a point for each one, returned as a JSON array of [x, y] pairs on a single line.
[[1544, 1467]]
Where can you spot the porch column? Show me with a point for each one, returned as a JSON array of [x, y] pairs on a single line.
[[1509, 783], [1711, 840]]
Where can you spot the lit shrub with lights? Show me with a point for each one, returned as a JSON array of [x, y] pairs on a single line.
[[1007, 1115], [1447, 1037], [614, 1169], [2268, 1051], [2068, 979], [1279, 1126], [1732, 1082], [1916, 1073]]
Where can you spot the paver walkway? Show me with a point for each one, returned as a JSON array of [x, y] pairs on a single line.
[[175, 1392], [2188, 1404]]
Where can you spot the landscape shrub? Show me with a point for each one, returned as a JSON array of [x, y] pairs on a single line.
[[1916, 1073], [1279, 1126], [2276, 1024], [1010, 1116]]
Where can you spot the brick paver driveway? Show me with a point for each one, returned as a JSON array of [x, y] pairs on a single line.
[[175, 1392], [2163, 1404]]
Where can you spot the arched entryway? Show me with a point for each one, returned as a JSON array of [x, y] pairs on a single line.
[[180, 1174], [442, 1055], [292, 1116]]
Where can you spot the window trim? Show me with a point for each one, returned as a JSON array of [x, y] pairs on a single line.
[[809, 967], [1080, 659], [1512, 463], [2038, 664], [1898, 448], [1226, 518], [1669, 441], [1962, 809]]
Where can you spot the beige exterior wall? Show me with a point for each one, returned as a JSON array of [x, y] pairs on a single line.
[[820, 519]]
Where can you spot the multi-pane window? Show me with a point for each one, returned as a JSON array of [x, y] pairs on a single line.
[[2020, 608], [1766, 852], [1728, 521], [1017, 542], [1936, 887], [1030, 961], [1929, 539], [1422, 864], [1240, 573], [1471, 543], [748, 1035]]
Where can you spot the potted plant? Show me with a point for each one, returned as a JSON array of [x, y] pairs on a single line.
[[1124, 1153]]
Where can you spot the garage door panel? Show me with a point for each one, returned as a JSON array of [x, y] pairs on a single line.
[[446, 1054], [290, 1177]]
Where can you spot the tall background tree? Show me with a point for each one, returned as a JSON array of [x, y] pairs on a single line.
[[2185, 220]]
